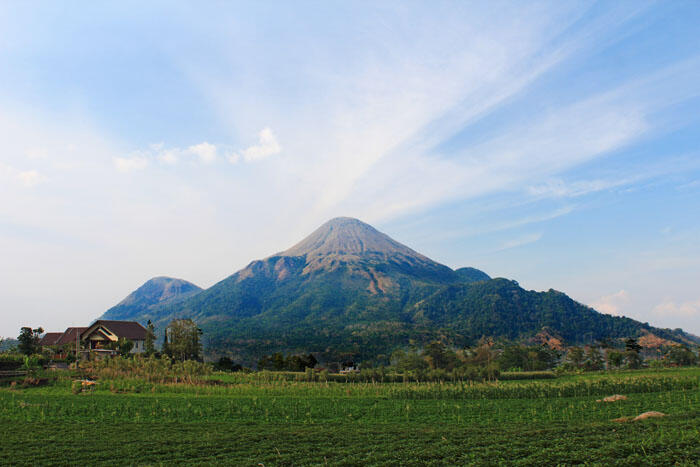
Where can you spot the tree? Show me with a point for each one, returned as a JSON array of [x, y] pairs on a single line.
[[166, 344], [150, 337], [633, 359], [408, 361], [680, 355], [124, 346], [632, 355], [532, 358], [594, 359], [575, 357], [183, 340], [615, 358], [632, 345], [29, 340]]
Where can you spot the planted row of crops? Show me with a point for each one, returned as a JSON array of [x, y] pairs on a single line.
[[279, 421], [110, 408]]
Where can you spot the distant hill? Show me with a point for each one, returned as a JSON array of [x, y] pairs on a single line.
[[156, 291], [350, 289], [7, 344], [471, 275]]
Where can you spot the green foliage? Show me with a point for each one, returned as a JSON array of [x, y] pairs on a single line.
[[528, 358], [408, 361], [680, 356], [631, 345], [575, 357], [11, 361], [594, 359], [124, 347], [275, 419], [183, 340], [149, 346], [28, 340], [155, 292], [280, 362], [633, 360], [150, 369], [633, 357], [370, 305], [615, 358], [226, 364]]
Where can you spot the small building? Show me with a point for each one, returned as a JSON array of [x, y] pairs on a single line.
[[96, 340], [102, 333]]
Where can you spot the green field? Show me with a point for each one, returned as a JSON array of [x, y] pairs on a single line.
[[270, 420]]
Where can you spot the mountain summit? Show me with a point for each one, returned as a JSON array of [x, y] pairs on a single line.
[[345, 240], [156, 291], [348, 236], [349, 289]]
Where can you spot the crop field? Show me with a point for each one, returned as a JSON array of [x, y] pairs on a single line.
[[269, 419]]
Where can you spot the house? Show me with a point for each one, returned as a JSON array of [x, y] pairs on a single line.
[[61, 343], [97, 339], [102, 333]]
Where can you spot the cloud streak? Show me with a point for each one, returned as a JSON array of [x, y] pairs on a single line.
[[683, 309]]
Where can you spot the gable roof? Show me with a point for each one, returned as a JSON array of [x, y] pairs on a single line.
[[69, 336], [50, 338], [127, 329]]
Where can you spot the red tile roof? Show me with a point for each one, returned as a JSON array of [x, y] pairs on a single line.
[[127, 329], [50, 338], [69, 336]]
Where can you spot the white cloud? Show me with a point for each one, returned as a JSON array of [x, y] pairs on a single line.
[[267, 146], [685, 309], [31, 178], [559, 188], [127, 164], [612, 304], [205, 151], [168, 157], [520, 241], [28, 178]]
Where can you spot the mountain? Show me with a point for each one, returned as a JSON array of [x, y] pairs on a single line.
[[156, 291], [471, 275], [350, 289]]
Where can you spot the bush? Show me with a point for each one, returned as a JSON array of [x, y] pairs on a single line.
[[11, 361], [151, 369]]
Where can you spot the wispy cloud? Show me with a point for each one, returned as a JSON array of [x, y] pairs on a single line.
[[520, 241], [683, 309]]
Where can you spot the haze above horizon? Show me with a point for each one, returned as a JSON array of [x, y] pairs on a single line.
[[554, 143]]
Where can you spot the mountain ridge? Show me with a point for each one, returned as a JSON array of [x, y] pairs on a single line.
[[348, 288], [155, 291]]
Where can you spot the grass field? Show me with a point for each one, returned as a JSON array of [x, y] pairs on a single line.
[[269, 420]]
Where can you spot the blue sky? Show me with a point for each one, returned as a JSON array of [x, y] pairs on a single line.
[[555, 143]]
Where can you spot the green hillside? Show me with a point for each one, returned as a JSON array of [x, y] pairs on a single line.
[[156, 291], [349, 289]]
